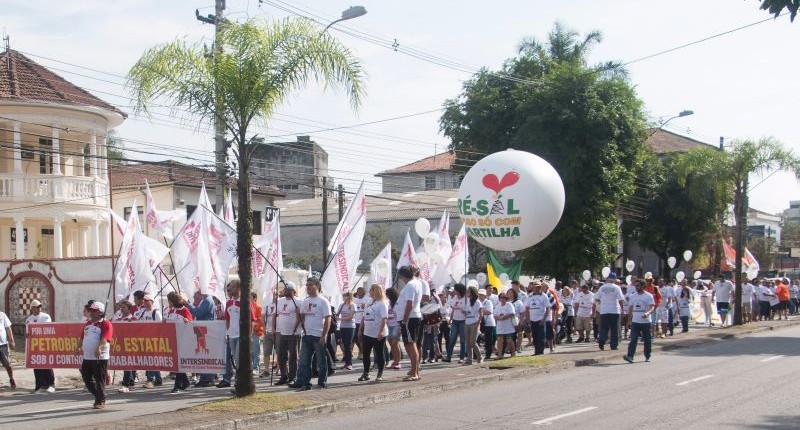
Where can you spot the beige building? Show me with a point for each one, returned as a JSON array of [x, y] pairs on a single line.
[[54, 192], [177, 186]]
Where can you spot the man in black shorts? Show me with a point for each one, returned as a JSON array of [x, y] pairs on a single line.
[[409, 305]]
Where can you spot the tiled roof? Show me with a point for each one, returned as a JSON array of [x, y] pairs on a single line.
[[663, 141], [165, 172], [22, 79], [438, 162]]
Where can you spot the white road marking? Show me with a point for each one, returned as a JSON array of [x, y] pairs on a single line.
[[771, 358], [694, 380], [549, 420]]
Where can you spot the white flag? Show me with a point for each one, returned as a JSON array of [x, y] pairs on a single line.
[[439, 273], [137, 259], [161, 221], [270, 247], [338, 276], [458, 263], [380, 270], [355, 211], [203, 251], [407, 253]]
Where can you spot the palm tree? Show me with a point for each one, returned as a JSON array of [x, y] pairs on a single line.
[[258, 66], [732, 170]]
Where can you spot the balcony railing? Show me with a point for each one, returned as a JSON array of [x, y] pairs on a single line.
[[53, 188]]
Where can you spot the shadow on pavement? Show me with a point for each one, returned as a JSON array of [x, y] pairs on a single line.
[[774, 422]]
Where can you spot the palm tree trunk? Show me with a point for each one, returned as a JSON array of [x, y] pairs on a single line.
[[739, 209], [245, 385]]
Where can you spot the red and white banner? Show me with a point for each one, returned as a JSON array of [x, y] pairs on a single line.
[[338, 277], [172, 347], [138, 258], [355, 211], [160, 221], [268, 256], [407, 252]]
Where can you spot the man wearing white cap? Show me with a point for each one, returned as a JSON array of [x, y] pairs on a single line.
[[45, 378], [611, 303], [96, 347]]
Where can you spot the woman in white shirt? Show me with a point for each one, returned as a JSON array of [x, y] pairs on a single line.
[[472, 323], [684, 308], [569, 311], [457, 302], [504, 314], [519, 310], [373, 332], [347, 328]]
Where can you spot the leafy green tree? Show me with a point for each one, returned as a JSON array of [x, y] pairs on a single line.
[[586, 121], [259, 65], [116, 148], [776, 7], [675, 215], [731, 170]]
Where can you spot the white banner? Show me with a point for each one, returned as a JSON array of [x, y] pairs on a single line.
[[338, 276], [201, 346], [407, 253]]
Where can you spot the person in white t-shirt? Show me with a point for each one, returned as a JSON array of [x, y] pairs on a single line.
[[504, 314], [394, 328], [95, 347], [611, 302], [287, 324], [722, 292], [489, 324], [45, 379], [373, 332], [6, 346], [664, 309], [584, 313], [642, 304], [748, 293], [794, 297], [316, 315], [539, 311], [457, 303], [684, 302], [568, 301], [411, 321]]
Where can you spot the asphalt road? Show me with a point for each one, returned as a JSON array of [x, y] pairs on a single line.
[[748, 383], [615, 395]]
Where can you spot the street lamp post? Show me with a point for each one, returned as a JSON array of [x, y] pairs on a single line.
[[350, 13]]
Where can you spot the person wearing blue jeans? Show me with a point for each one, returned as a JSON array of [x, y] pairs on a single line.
[[641, 306], [316, 315], [231, 356], [458, 303], [203, 309]]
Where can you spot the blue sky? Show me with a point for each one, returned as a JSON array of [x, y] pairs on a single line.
[[740, 85]]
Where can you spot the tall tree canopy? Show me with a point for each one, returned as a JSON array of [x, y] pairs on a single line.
[[586, 121], [258, 66]]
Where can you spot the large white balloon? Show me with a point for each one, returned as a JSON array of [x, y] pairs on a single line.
[[605, 272], [680, 276], [586, 275], [687, 255], [697, 274], [671, 261], [431, 242], [422, 226], [629, 265], [511, 200], [481, 277]]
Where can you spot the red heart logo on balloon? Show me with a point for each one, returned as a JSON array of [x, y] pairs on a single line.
[[491, 182]]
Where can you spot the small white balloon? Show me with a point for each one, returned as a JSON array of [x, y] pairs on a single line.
[[422, 226], [586, 275], [687, 255], [628, 279], [697, 274], [421, 258], [671, 261], [504, 277], [630, 265], [383, 267], [605, 272], [473, 283], [481, 277], [680, 276], [431, 242], [648, 275]]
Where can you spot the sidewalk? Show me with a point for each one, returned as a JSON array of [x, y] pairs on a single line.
[[345, 393]]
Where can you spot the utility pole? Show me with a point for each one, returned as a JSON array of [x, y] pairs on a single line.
[[220, 149], [324, 221], [341, 201]]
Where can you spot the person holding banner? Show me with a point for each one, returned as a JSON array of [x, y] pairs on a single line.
[[149, 313], [45, 378], [95, 346], [178, 313]]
